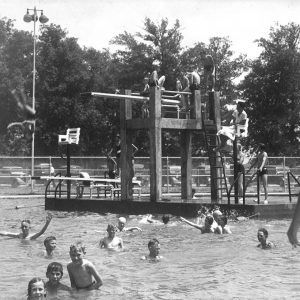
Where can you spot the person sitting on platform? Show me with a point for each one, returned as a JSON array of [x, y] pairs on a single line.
[[111, 241], [145, 92], [206, 228], [154, 79], [262, 235], [154, 248], [227, 133], [25, 227], [121, 226]]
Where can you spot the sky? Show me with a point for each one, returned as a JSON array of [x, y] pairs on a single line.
[[96, 22]]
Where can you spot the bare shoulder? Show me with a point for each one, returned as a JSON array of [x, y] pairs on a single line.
[[87, 263]]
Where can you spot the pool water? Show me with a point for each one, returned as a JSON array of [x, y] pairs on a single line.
[[195, 266]]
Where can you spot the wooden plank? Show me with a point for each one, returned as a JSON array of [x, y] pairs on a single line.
[[155, 145], [126, 149], [186, 165], [181, 124]]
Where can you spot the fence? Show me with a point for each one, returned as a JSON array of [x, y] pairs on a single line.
[[15, 172]]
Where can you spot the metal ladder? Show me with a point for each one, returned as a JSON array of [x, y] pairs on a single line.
[[212, 141]]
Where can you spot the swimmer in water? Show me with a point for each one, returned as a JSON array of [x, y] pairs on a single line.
[[54, 274], [165, 220], [206, 228], [82, 273], [36, 289], [154, 248], [222, 225], [50, 245], [25, 227], [262, 235], [111, 241], [121, 226]]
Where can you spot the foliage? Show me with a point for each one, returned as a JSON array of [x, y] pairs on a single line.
[[272, 89]]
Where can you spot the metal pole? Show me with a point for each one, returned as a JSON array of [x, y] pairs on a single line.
[[33, 98], [168, 175], [284, 174], [258, 188]]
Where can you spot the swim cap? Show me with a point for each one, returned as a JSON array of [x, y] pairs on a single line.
[[122, 220], [217, 213]]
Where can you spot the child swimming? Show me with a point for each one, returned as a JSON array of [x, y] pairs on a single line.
[[82, 273], [262, 235], [25, 227], [111, 241], [50, 245], [121, 226], [36, 289], [54, 274], [154, 248]]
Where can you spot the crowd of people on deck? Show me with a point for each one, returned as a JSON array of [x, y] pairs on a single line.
[[83, 274]]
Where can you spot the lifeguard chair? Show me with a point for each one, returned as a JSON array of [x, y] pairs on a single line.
[[72, 136]]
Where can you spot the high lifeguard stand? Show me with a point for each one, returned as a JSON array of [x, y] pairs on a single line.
[[71, 137], [154, 124]]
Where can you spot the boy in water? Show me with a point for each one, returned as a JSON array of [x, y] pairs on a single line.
[[50, 245], [111, 241], [206, 228], [25, 227], [36, 289], [82, 273], [262, 235], [154, 248], [54, 274], [121, 226], [222, 225]]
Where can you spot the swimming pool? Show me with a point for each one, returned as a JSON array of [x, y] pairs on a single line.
[[195, 266]]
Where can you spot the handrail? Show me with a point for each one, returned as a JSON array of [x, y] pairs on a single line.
[[289, 173]]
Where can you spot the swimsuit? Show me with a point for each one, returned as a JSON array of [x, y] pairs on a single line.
[[262, 172]]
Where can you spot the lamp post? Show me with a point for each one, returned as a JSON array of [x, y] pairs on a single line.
[[43, 19]]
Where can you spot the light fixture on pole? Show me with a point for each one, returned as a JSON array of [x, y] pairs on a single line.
[[43, 19]]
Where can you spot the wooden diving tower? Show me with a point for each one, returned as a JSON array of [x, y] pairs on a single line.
[[155, 124]]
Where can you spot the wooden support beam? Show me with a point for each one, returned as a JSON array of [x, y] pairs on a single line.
[[215, 173], [126, 149], [186, 165], [195, 103], [155, 145]]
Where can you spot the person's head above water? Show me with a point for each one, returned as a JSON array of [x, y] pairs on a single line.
[[165, 219], [209, 220], [121, 223], [36, 289]]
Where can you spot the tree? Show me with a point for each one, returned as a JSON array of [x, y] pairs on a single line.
[[157, 41], [272, 89]]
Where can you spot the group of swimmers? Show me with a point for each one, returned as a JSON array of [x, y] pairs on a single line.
[[83, 274]]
